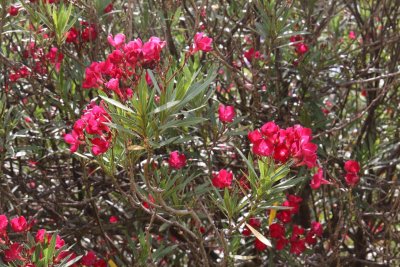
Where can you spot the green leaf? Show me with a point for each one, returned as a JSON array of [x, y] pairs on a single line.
[[182, 123], [259, 235], [116, 103], [165, 107]]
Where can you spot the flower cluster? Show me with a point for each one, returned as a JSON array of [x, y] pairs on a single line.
[[299, 237], [298, 42], [40, 60], [92, 122], [256, 224], [124, 65], [251, 54], [11, 250], [352, 168], [284, 144]]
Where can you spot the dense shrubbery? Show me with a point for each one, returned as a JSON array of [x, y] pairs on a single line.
[[203, 133]]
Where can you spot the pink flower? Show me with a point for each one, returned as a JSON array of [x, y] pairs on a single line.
[[113, 219], [59, 241], [301, 48], [113, 84], [352, 35], [352, 166], [177, 160], [13, 252], [201, 43], [151, 51], [19, 224], [100, 146], [222, 179], [117, 41], [73, 140], [263, 147], [352, 179], [13, 10], [269, 129], [226, 113], [318, 179], [3, 223], [254, 136], [40, 235]]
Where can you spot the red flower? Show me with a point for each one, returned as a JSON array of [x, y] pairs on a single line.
[[40, 235], [222, 179], [19, 224], [254, 136], [147, 205], [177, 160], [352, 179], [316, 228], [151, 51], [318, 179], [263, 147], [113, 219], [201, 43], [277, 230], [71, 35], [255, 223], [100, 263], [108, 8], [260, 246], [352, 35], [251, 54], [13, 252], [89, 259], [3, 223], [352, 166], [13, 10], [301, 48], [269, 129], [89, 34], [298, 244], [226, 113], [281, 243], [281, 153]]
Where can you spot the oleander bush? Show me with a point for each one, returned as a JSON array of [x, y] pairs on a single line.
[[199, 133]]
